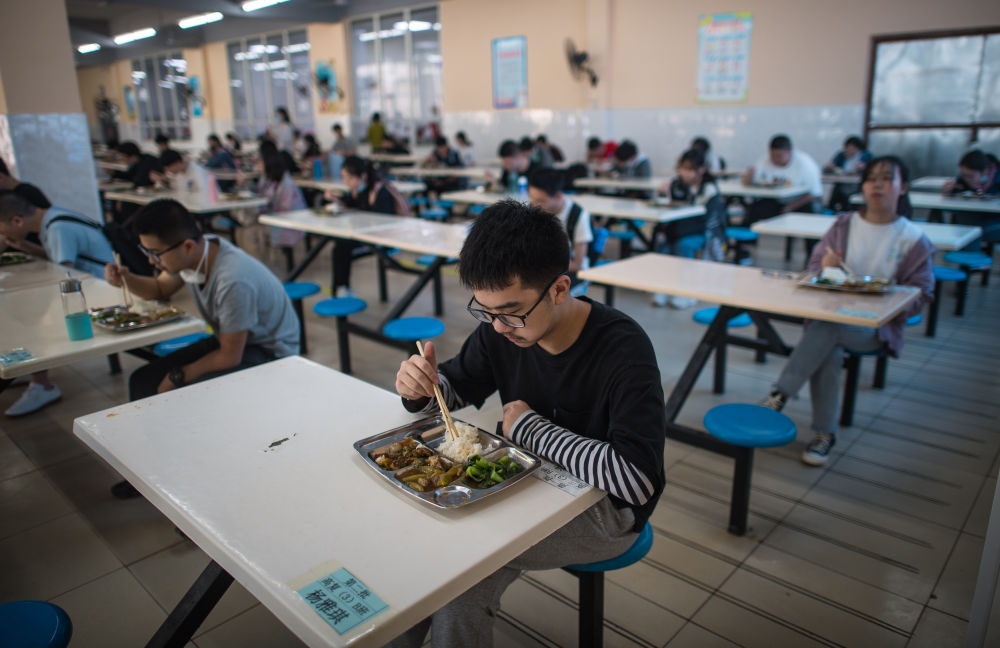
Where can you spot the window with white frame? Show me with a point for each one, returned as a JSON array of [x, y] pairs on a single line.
[[161, 93], [268, 72], [396, 59]]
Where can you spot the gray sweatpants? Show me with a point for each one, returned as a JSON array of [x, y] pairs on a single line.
[[599, 533], [818, 358]]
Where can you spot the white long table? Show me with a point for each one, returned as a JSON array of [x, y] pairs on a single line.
[[930, 183], [336, 185], [476, 173], [37, 272], [32, 318], [258, 469], [736, 189], [923, 200], [194, 203], [815, 226]]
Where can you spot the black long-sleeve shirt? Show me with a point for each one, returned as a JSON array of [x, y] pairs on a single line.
[[597, 407]]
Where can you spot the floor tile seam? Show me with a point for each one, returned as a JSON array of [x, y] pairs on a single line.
[[34, 527], [522, 627], [854, 548], [692, 544], [873, 428], [780, 621], [703, 628], [929, 393], [858, 522], [884, 485], [902, 395], [911, 473], [88, 582], [896, 511], [728, 476], [724, 478], [720, 500], [944, 567]]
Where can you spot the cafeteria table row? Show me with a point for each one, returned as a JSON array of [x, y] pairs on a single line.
[[728, 188], [923, 200], [338, 186]]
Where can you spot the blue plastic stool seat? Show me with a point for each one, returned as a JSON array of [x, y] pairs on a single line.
[[916, 319], [741, 234], [34, 624], [751, 426], [427, 259], [632, 555], [475, 210], [688, 246], [300, 289], [411, 329], [973, 260], [434, 213], [223, 221], [169, 346], [445, 204], [622, 234], [707, 315], [417, 201], [339, 306], [947, 273]]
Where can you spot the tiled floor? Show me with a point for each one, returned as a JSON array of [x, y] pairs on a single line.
[[879, 548]]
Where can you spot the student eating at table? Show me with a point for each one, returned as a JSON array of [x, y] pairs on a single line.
[[162, 143], [30, 244], [517, 164], [851, 159], [782, 166], [185, 175], [251, 316], [977, 176], [367, 191], [443, 156], [67, 238], [879, 241], [579, 385], [139, 165], [465, 149], [545, 189], [713, 162]]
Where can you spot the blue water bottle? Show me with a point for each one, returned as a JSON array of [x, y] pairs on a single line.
[[77, 316], [317, 169], [522, 188]]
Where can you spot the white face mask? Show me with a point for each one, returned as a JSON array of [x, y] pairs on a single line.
[[196, 276]]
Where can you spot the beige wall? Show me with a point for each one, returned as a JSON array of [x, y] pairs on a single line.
[[36, 58], [468, 28], [215, 82], [113, 78]]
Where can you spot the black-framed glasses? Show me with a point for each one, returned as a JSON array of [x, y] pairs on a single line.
[[156, 254], [507, 319]]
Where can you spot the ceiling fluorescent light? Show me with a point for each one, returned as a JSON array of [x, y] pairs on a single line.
[[199, 20], [254, 5], [121, 39], [87, 48]]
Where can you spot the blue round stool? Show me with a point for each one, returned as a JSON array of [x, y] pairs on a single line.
[[340, 308], [591, 577], [169, 346], [740, 236], [941, 275], [417, 201], [226, 223], [411, 329], [746, 427], [707, 315], [971, 262], [445, 204], [297, 291], [476, 210], [434, 213], [34, 624]]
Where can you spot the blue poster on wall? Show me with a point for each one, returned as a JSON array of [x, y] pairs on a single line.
[[510, 72], [194, 84]]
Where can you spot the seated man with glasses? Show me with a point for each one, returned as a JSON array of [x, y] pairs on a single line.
[[246, 305], [580, 387]]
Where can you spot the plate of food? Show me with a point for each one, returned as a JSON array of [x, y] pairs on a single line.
[[419, 459], [15, 258], [837, 279], [121, 318]]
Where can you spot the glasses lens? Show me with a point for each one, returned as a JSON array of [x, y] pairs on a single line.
[[510, 320], [480, 315]]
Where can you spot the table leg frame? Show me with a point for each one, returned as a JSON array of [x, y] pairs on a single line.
[[193, 608]]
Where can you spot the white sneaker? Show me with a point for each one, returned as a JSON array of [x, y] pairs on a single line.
[[34, 398], [681, 303], [345, 291], [659, 299]]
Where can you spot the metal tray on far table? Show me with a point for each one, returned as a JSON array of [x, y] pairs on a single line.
[[876, 288], [430, 432], [105, 318], [15, 258]]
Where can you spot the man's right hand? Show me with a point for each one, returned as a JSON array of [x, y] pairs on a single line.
[[115, 274], [417, 375]]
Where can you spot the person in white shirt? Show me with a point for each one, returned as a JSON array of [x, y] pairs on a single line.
[[187, 176], [283, 132], [545, 191], [784, 166], [465, 149]]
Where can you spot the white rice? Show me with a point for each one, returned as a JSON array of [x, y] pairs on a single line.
[[466, 445]]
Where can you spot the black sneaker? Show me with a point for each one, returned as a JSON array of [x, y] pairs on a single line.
[[818, 450], [125, 490], [775, 400]]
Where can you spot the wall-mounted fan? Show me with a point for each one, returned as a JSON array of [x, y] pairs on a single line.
[[579, 63]]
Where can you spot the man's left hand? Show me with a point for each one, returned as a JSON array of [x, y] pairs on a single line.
[[511, 412]]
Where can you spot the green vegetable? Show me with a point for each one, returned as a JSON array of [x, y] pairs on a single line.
[[485, 474]]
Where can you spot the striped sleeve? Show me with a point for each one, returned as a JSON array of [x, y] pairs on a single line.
[[451, 397], [595, 462]]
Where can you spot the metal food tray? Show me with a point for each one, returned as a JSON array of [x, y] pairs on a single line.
[[430, 432], [97, 315], [15, 258], [812, 281]]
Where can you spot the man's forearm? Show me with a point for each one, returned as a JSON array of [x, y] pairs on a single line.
[[217, 360]]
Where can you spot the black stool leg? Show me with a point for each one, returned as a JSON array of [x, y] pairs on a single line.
[[114, 364], [881, 367], [591, 620], [739, 506], [289, 259], [986, 276], [788, 248], [383, 282], [853, 366], [760, 355], [963, 290], [297, 305], [719, 383], [342, 346], [438, 294], [932, 313]]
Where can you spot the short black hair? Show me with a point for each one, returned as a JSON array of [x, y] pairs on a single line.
[[161, 139], [3, 168], [526, 144], [903, 207], [701, 144], [440, 140], [167, 220], [12, 204], [509, 241], [283, 112], [508, 148], [215, 138], [781, 143], [692, 156], [169, 156], [266, 146], [855, 141], [274, 165], [541, 139], [548, 180], [376, 117], [594, 143], [129, 148], [626, 151], [461, 137], [336, 127], [975, 160]]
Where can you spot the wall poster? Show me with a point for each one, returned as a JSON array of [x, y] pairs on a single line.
[[510, 72], [724, 56]]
